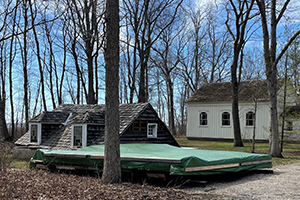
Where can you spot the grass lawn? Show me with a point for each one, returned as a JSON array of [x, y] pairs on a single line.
[[20, 164], [291, 152]]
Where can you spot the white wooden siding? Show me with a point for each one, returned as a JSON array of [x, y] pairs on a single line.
[[214, 128]]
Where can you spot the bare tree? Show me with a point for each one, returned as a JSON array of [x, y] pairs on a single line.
[[60, 77], [294, 63], [86, 16], [12, 55], [3, 67], [192, 60], [167, 59], [252, 64], [112, 162], [130, 53], [24, 53], [147, 22], [208, 49], [241, 11], [9, 9], [254, 95], [33, 12], [49, 60], [269, 29], [183, 91], [220, 50]]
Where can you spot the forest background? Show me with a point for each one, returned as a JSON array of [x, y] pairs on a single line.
[[52, 52]]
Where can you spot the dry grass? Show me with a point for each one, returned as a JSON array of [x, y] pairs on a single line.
[[33, 184], [5, 154]]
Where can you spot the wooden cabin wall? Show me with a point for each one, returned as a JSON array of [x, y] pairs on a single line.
[[95, 134], [137, 132], [48, 130]]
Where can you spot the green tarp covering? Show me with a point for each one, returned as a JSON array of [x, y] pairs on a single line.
[[161, 158]]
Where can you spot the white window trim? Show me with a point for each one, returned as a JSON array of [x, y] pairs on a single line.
[[39, 133], [154, 130], [84, 135]]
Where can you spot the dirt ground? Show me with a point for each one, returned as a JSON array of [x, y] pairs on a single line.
[[283, 183], [34, 184]]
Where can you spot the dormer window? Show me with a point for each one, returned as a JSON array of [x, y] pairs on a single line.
[[79, 135], [152, 130], [35, 133]]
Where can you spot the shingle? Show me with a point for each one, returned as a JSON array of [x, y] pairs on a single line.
[[222, 92], [81, 114], [51, 117]]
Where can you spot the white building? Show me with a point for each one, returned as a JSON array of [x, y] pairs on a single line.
[[209, 110]]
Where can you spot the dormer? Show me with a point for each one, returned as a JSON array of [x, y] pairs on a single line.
[[45, 124]]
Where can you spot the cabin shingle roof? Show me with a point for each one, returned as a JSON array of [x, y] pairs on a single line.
[[222, 92], [53, 117], [69, 114]]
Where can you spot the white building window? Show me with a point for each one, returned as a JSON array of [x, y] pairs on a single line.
[[35, 133], [79, 135], [250, 117], [152, 130], [225, 119], [203, 119]]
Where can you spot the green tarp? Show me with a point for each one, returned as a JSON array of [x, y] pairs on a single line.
[[161, 158]]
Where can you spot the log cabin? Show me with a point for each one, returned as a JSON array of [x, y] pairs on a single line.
[[71, 126]]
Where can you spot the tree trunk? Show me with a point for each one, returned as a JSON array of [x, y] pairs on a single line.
[[272, 85], [12, 55], [235, 115], [171, 106], [51, 65], [284, 103], [11, 94], [142, 84], [112, 163], [39, 59], [96, 78], [25, 71], [62, 76], [274, 138], [3, 128], [271, 71], [254, 127], [91, 93], [235, 101], [242, 16]]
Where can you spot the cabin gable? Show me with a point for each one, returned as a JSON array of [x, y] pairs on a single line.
[[138, 131]]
